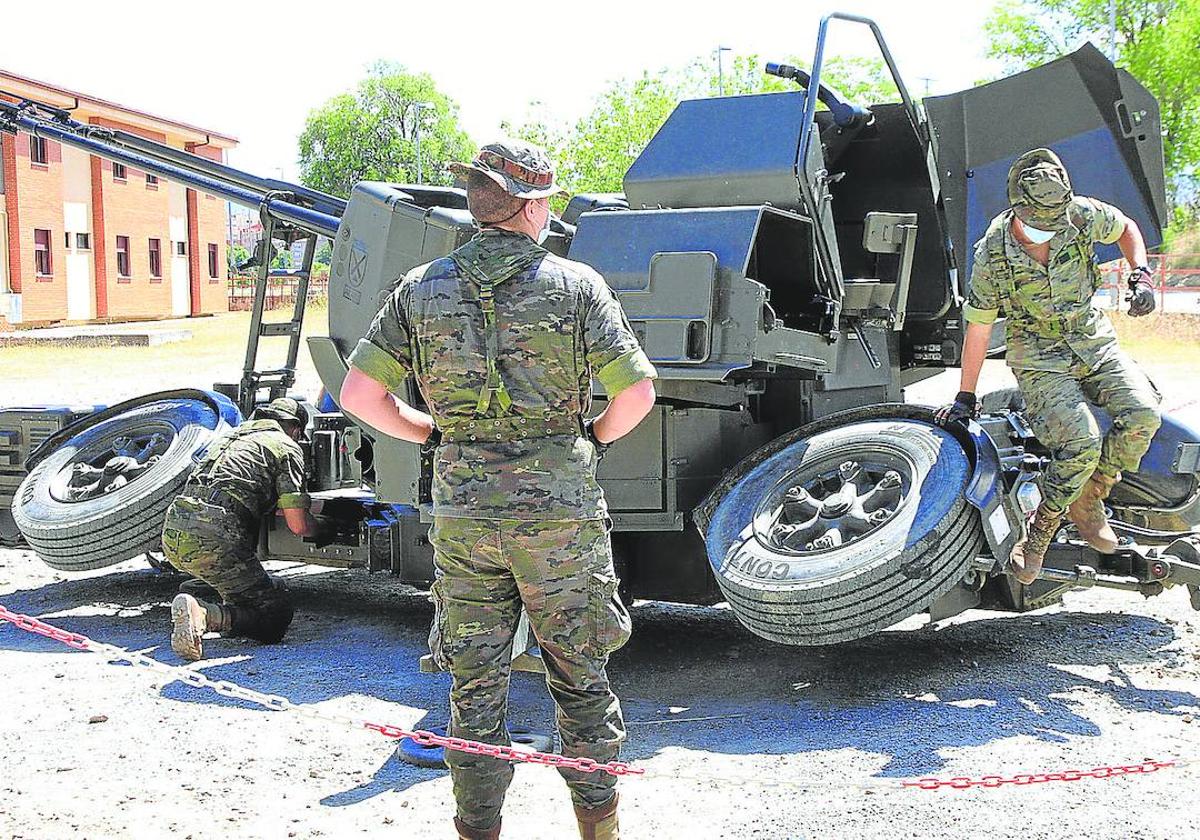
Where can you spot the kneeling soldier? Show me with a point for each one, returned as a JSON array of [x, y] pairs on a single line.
[[211, 529]]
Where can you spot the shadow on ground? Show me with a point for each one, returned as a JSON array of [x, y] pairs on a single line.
[[691, 678]]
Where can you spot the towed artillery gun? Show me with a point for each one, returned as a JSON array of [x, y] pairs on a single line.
[[790, 271]]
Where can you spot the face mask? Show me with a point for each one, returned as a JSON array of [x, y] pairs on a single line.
[[1036, 235], [545, 231]]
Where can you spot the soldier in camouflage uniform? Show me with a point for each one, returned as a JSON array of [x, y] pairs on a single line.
[[211, 530], [504, 340], [1036, 265]]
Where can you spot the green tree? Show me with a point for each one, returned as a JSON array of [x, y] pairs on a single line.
[[283, 259], [594, 154], [1158, 41], [324, 255], [236, 255], [371, 133]]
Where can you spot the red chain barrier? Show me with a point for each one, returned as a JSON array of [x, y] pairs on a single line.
[[966, 782], [508, 753]]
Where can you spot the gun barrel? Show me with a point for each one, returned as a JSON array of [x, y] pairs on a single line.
[[189, 170]]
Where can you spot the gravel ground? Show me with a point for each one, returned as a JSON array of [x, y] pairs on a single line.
[[1107, 678]]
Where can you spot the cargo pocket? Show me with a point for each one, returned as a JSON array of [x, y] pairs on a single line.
[[609, 621], [437, 629]]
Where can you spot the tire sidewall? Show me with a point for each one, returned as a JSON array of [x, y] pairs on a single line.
[[938, 471], [193, 423]]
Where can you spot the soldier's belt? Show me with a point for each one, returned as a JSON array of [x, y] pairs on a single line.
[[509, 428], [220, 498]]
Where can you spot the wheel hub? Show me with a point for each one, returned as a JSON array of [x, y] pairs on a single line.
[[109, 467], [822, 509]]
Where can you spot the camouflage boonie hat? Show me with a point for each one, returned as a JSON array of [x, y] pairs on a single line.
[[521, 169], [1039, 190], [285, 409]]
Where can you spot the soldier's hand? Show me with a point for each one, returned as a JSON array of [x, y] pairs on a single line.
[[1141, 293], [589, 432], [432, 442], [963, 408]]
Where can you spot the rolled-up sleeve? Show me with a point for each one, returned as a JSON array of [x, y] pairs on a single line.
[[983, 302], [385, 352], [289, 482], [1107, 223], [613, 353]]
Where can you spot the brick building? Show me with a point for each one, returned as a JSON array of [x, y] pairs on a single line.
[[84, 239]]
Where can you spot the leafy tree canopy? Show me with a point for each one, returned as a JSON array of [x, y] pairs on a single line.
[[371, 133], [1158, 41], [593, 154]]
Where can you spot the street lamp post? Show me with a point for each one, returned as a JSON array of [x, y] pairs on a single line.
[[720, 71], [419, 107]]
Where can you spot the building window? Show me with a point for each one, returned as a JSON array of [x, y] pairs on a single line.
[[67, 241], [181, 249], [212, 261], [151, 181], [41, 253], [83, 241], [119, 173], [156, 258], [37, 150], [123, 256]]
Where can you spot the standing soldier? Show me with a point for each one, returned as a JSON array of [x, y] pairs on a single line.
[[211, 529], [504, 340], [1036, 264]]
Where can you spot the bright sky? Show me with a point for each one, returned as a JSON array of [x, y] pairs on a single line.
[[254, 70]]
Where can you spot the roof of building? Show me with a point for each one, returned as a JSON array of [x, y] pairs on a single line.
[[18, 86]]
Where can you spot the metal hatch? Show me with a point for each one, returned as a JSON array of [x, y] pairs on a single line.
[[1103, 124]]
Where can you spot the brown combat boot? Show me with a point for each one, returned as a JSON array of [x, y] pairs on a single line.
[[191, 618], [465, 832], [1088, 514], [598, 823], [1027, 555]]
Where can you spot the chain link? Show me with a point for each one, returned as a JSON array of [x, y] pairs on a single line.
[[276, 703], [1022, 779]]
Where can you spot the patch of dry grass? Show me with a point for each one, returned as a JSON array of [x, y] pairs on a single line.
[[98, 372], [1170, 338]]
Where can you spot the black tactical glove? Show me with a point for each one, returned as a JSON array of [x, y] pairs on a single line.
[[1141, 292], [963, 408], [432, 442], [589, 432]]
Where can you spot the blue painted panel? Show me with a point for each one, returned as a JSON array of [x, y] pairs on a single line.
[[620, 244], [1097, 170], [723, 151]]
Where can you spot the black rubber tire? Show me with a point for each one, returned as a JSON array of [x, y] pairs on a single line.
[[127, 522], [869, 584]]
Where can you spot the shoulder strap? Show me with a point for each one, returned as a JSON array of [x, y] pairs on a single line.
[[494, 386]]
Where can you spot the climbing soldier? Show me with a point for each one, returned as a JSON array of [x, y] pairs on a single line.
[[504, 340], [1036, 265], [211, 530]]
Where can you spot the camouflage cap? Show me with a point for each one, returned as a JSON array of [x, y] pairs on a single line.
[[1039, 190], [284, 409], [521, 169]]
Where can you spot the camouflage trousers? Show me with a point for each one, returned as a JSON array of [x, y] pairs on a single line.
[[219, 547], [1058, 410], [562, 573]]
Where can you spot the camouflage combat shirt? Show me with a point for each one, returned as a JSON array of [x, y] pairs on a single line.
[[258, 464], [557, 325], [1051, 322]]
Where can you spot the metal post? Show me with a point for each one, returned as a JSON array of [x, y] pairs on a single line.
[[720, 71], [1112, 31], [419, 107]]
